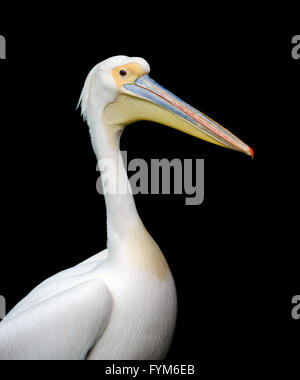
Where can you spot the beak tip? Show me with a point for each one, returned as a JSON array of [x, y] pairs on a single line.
[[251, 152]]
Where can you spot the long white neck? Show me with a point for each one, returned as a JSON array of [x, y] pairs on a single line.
[[128, 241], [120, 205]]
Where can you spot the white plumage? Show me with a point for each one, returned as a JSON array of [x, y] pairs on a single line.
[[120, 303], [110, 306]]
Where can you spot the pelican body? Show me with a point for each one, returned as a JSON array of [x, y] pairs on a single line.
[[120, 303]]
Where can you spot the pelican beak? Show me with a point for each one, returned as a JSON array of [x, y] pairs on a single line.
[[150, 101]]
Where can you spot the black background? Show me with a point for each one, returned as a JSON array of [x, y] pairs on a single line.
[[233, 257]]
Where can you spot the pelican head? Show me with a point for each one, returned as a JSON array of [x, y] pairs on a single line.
[[122, 90]]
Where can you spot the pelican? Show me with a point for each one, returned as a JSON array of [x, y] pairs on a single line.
[[120, 303]]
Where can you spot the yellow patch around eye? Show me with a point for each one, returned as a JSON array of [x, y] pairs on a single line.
[[133, 71]]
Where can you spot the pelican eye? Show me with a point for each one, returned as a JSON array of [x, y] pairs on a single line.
[[123, 73]]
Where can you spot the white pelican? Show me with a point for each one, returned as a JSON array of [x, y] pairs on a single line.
[[120, 303]]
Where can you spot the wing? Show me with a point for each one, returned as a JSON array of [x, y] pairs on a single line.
[[63, 327], [58, 283]]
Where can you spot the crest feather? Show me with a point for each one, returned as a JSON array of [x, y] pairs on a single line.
[[84, 97]]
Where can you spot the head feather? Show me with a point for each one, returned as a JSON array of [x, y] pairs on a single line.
[[84, 96]]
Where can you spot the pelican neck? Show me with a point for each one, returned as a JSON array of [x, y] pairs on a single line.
[[120, 205]]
